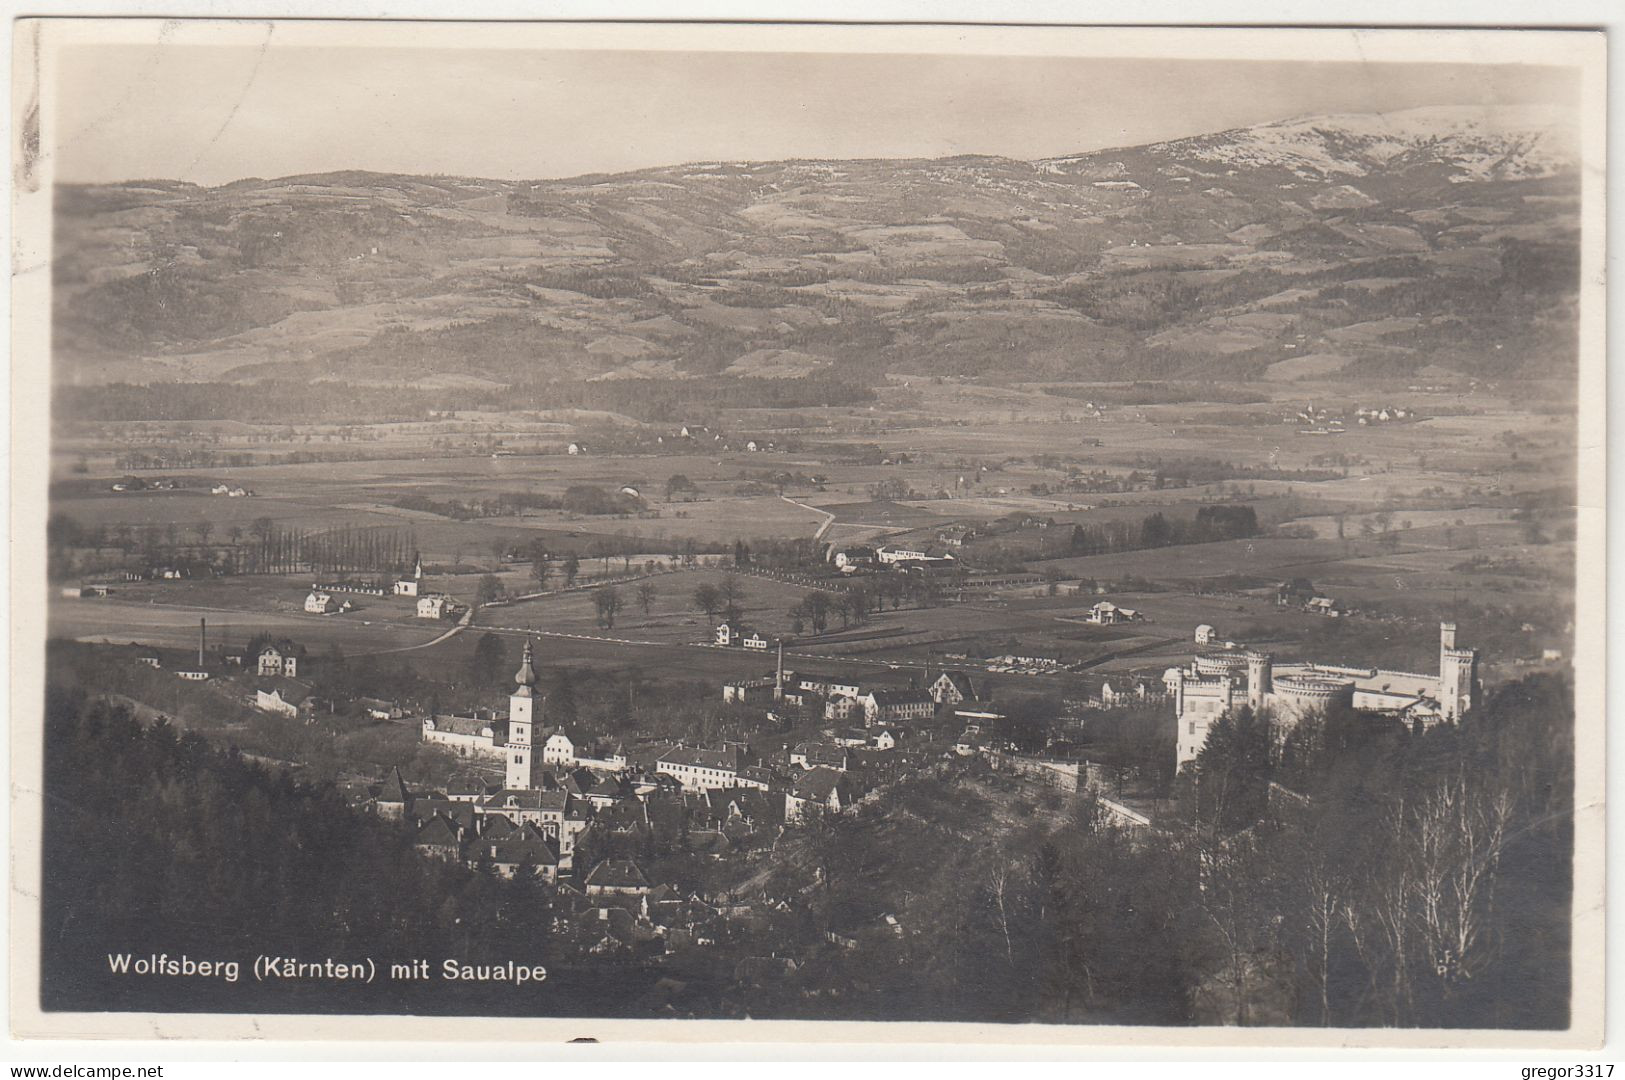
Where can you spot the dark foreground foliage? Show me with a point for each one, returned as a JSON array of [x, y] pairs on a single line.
[[1341, 874]]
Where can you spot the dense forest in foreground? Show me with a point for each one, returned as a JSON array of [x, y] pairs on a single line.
[[1338, 874]]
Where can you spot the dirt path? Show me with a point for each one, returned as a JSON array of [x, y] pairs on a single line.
[[462, 624], [829, 518]]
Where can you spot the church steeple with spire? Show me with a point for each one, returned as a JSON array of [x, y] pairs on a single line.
[[523, 761]]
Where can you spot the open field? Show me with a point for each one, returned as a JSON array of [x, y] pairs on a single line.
[[1447, 484], [673, 616], [175, 625]]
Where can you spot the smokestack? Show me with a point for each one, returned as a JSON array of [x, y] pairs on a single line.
[[202, 640]]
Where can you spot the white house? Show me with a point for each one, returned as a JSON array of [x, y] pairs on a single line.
[[558, 748], [884, 740], [379, 709], [287, 697], [697, 769], [1107, 613], [576, 449], [436, 607], [320, 603], [881, 706], [279, 658], [818, 787], [850, 560], [754, 640], [815, 755], [1204, 634]]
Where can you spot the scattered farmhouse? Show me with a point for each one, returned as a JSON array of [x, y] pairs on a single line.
[[851, 560], [1106, 613], [438, 606]]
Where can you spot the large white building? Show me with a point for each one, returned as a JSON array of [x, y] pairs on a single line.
[[1217, 683], [477, 733], [698, 769]]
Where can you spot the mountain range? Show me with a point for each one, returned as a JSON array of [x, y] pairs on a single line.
[[1438, 240]]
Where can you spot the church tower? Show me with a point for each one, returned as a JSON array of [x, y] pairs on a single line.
[[522, 755]]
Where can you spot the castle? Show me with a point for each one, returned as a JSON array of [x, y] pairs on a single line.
[[1220, 682]]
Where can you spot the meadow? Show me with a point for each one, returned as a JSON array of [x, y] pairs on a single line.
[[1444, 489]]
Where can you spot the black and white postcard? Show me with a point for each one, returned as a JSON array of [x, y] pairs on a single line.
[[617, 530]]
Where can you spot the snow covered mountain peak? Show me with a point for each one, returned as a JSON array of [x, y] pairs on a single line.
[[1480, 142]]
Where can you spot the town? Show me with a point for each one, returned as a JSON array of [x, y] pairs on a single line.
[[1137, 587]]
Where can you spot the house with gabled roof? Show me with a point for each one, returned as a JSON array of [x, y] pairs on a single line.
[[439, 838], [617, 877], [526, 846], [284, 696], [558, 748], [627, 818], [393, 797], [758, 777], [813, 755], [821, 786], [496, 826], [952, 687], [279, 657], [891, 706], [470, 788], [608, 789], [697, 768], [528, 806], [438, 606]]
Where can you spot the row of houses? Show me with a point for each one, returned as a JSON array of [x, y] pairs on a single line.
[[903, 559]]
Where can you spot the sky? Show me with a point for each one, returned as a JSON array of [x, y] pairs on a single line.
[[210, 114]]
